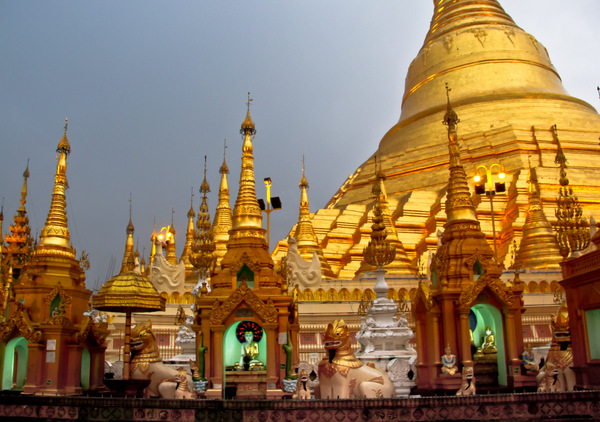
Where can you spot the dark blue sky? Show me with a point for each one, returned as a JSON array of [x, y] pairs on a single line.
[[151, 87]]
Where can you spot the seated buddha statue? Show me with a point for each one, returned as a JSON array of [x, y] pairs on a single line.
[[249, 353], [449, 362], [489, 345], [529, 359]]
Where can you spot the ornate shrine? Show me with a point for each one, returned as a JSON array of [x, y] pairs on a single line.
[[246, 290]]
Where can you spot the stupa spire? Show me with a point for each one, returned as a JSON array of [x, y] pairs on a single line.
[[171, 249], [538, 248], [19, 241], [55, 238], [308, 243], [247, 218], [190, 234], [128, 254], [459, 205], [572, 229], [202, 250], [401, 264], [222, 222]]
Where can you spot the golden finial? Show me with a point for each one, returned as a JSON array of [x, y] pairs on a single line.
[[224, 169], [191, 213], [130, 227], [303, 182], [572, 229], [63, 145], [379, 251], [202, 247], [450, 118], [205, 187], [248, 126]]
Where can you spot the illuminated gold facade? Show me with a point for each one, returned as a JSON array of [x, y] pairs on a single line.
[[509, 96]]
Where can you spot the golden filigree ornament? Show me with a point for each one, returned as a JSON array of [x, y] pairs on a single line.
[[379, 252], [572, 229]]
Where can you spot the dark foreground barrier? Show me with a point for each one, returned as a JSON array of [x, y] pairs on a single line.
[[579, 405]]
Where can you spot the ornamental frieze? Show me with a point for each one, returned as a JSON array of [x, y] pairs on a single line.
[[266, 312]]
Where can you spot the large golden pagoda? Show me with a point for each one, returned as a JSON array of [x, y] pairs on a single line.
[[509, 97]]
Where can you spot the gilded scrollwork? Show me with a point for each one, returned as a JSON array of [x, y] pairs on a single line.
[[58, 290], [245, 259], [20, 321], [470, 261], [266, 311], [494, 284], [99, 332]]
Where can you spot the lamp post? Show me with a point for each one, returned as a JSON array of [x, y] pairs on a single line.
[[272, 204], [490, 190]]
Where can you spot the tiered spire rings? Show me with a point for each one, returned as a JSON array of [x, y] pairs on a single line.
[[459, 205], [202, 256], [247, 218], [572, 230], [55, 238], [379, 251]]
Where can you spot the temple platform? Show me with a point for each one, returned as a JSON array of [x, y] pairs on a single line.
[[576, 405]]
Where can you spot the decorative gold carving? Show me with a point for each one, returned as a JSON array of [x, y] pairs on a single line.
[[245, 259], [470, 261], [99, 332], [267, 312], [21, 322], [58, 290], [495, 285]]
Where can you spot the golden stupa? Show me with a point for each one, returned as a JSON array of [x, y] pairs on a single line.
[[509, 97]]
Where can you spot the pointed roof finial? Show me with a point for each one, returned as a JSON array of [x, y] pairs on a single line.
[[130, 227], [205, 187], [248, 126], [224, 169], [191, 213], [63, 145], [450, 118], [303, 181]]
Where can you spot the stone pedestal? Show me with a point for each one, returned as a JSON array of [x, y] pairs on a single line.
[[384, 340], [249, 384]]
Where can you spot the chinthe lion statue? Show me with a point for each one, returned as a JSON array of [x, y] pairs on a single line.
[[467, 386], [302, 390], [343, 376], [146, 363]]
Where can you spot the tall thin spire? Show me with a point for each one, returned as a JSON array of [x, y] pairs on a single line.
[[222, 222], [538, 248], [572, 230], [308, 243], [19, 242], [401, 263], [247, 218], [459, 205], [55, 238], [190, 235], [128, 262], [202, 250], [171, 250]]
